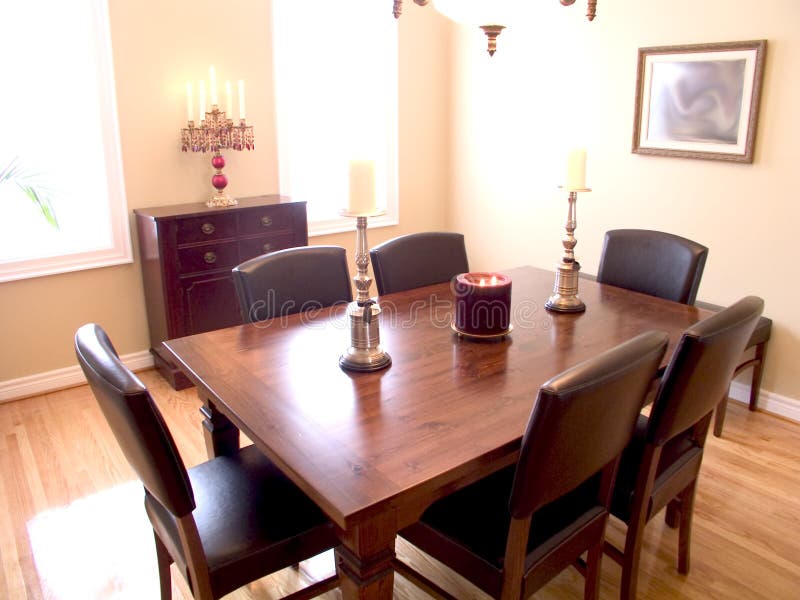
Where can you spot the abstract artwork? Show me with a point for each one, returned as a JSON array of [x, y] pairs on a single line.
[[699, 101]]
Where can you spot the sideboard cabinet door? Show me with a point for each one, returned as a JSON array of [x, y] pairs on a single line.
[[187, 252]]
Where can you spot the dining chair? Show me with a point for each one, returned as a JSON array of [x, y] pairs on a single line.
[[225, 522], [669, 266], [292, 280], [652, 262], [754, 358], [418, 259], [661, 464], [511, 532]]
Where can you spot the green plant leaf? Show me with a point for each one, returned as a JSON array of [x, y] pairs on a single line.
[[43, 202], [33, 186]]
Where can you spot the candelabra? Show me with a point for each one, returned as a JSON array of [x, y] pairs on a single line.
[[365, 352], [565, 291], [216, 133]]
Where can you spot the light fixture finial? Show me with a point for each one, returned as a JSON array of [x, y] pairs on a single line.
[[492, 31]]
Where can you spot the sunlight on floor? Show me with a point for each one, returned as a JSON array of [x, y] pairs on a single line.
[[100, 546]]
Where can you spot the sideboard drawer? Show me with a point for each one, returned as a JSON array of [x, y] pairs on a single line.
[[252, 247], [265, 220], [224, 255], [208, 227]]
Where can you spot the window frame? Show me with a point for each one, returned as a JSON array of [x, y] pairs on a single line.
[[120, 251], [390, 152]]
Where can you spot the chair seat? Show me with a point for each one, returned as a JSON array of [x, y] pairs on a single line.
[[246, 507], [761, 333], [477, 518], [676, 453]]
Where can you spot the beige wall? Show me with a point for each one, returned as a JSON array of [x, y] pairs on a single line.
[[158, 46], [560, 81]]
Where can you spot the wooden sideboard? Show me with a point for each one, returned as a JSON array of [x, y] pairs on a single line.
[[187, 253]]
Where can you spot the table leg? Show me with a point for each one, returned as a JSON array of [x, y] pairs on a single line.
[[364, 560], [222, 436]]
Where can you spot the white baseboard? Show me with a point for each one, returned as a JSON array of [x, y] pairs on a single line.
[[767, 401], [59, 379]]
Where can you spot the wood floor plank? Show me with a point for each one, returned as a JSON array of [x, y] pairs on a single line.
[[62, 472]]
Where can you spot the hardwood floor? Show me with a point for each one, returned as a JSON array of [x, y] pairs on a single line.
[[72, 524]]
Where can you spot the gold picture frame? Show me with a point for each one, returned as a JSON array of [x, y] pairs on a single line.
[[699, 100]]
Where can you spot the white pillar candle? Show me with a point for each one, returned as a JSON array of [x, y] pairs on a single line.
[[189, 116], [576, 169], [228, 100], [362, 187], [212, 75], [202, 100], [241, 99]]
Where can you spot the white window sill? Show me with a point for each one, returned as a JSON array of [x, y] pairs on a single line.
[[343, 225]]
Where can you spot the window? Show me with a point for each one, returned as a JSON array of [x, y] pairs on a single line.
[[336, 100], [59, 153]]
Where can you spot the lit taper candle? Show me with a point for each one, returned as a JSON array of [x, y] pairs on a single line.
[[189, 116], [241, 99], [212, 75]]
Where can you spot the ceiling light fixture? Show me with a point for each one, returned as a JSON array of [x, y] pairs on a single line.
[[486, 14]]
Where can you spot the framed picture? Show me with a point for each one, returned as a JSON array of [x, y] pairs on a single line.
[[699, 101]]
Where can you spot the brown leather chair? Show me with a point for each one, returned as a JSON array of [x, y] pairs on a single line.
[[418, 259], [661, 464], [758, 344], [669, 266], [293, 280], [225, 522], [513, 531], [652, 262]]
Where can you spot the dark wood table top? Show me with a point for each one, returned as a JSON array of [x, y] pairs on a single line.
[[447, 411]]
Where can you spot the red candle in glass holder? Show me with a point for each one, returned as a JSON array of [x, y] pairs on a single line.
[[483, 303]]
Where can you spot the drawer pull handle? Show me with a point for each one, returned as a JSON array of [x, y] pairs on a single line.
[[267, 247], [210, 257], [266, 221], [208, 228]]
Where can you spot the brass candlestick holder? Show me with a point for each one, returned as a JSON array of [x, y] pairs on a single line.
[[365, 352], [565, 291], [215, 133]]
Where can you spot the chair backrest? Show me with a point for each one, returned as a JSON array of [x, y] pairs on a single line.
[[292, 280], [701, 369], [653, 262], [418, 259], [582, 420], [135, 420]]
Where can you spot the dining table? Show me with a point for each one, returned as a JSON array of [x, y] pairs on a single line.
[[374, 449]]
